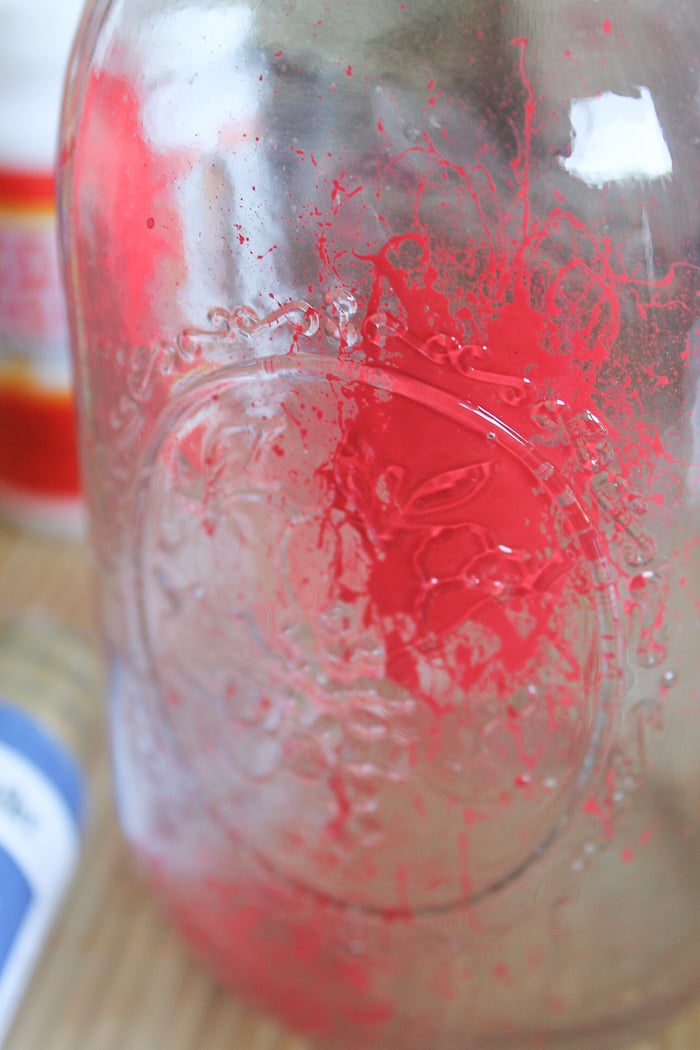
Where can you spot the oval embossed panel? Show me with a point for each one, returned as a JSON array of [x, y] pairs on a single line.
[[382, 628]]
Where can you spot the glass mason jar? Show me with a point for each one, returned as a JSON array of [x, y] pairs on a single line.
[[386, 324]]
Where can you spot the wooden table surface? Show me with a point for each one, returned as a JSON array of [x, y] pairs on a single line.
[[113, 975]]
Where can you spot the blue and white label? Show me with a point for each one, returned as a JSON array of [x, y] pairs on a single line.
[[15, 900], [39, 843]]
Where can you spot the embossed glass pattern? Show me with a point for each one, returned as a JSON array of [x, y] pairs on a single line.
[[386, 335]]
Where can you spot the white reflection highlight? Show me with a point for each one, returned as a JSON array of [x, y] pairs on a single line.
[[197, 68], [616, 138]]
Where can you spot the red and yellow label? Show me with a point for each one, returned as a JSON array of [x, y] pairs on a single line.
[[38, 453]]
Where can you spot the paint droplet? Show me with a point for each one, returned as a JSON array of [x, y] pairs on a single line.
[[607, 26], [627, 855], [646, 836], [348, 71], [150, 222]]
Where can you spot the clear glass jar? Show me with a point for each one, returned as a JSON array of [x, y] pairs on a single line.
[[386, 332]]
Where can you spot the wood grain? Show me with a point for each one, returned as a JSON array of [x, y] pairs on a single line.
[[113, 975]]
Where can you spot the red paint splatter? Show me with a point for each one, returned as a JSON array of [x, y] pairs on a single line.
[[370, 1015]]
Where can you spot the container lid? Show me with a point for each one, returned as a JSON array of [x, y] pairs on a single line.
[[26, 736]]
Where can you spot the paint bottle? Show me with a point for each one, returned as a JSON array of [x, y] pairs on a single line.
[[39, 477], [48, 720]]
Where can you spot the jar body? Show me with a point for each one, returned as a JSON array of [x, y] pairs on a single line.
[[386, 329]]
